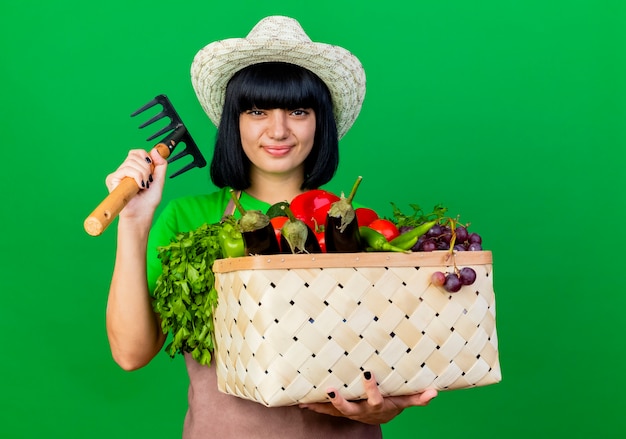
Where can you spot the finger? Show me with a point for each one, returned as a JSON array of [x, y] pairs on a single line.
[[419, 399], [321, 407], [374, 397], [138, 166], [156, 158], [343, 406], [160, 166], [427, 396], [140, 158]]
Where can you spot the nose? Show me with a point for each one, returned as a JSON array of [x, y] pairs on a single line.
[[278, 128]]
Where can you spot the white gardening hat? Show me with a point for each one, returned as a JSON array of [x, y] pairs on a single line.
[[279, 39]]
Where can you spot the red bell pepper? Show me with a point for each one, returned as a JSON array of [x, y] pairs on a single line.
[[312, 206]]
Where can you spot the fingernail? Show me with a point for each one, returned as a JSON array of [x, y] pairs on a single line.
[[148, 160], [367, 375], [331, 395], [147, 185], [143, 184], [150, 179]]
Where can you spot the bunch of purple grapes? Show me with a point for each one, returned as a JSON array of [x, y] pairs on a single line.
[[452, 282], [439, 237]]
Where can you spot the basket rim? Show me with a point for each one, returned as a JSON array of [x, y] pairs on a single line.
[[361, 259]]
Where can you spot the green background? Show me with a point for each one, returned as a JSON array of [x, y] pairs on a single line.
[[510, 113]]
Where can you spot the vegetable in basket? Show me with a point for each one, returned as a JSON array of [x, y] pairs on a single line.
[[376, 242], [231, 239], [312, 206], [384, 226], [365, 216], [296, 236], [408, 239], [424, 223], [258, 233], [342, 227], [276, 210], [278, 222]]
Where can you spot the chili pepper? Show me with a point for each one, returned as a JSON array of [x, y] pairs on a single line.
[[408, 239], [230, 239], [342, 227], [376, 241], [258, 233], [312, 206], [296, 236]]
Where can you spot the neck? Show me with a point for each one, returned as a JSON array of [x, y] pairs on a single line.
[[274, 189]]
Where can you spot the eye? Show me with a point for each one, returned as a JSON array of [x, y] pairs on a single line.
[[300, 112], [255, 112]]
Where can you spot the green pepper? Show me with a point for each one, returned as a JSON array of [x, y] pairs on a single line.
[[408, 239], [230, 239], [376, 241]]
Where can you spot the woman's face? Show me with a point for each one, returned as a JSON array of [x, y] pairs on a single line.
[[277, 141]]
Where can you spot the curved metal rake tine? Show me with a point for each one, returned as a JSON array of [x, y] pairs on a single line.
[[179, 133]]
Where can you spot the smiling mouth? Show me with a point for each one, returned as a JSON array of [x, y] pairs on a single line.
[[277, 150]]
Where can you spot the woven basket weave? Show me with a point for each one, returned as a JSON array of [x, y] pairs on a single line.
[[288, 327]]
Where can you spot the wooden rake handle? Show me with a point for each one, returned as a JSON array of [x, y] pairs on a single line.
[[112, 205]]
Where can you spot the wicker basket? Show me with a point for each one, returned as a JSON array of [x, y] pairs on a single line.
[[288, 327]]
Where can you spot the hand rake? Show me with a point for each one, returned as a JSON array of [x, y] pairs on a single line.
[[113, 204]]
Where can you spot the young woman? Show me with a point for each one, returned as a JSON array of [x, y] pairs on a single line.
[[281, 103]]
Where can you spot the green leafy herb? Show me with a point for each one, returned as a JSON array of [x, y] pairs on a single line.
[[418, 216], [185, 295]]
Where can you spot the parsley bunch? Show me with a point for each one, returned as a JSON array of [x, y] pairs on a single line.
[[400, 219], [185, 295]]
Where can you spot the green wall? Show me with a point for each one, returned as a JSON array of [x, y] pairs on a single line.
[[510, 113]]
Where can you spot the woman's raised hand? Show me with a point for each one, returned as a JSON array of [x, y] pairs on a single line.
[[148, 169]]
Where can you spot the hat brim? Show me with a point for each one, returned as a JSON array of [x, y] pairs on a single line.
[[215, 65]]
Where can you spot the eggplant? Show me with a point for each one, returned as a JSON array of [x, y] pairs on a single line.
[[342, 237], [296, 236], [342, 227], [257, 231], [261, 241]]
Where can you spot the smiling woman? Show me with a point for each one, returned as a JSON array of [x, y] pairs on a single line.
[[281, 103]]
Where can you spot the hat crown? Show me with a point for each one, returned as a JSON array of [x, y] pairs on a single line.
[[278, 28]]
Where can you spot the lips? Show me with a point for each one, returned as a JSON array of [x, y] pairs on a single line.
[[277, 151]]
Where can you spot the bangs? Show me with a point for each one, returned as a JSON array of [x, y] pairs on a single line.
[[276, 85]]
